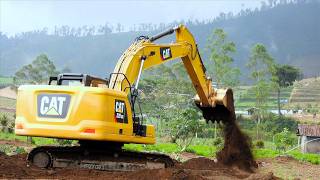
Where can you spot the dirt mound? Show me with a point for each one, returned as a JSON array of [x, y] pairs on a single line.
[[199, 168], [200, 163], [285, 158]]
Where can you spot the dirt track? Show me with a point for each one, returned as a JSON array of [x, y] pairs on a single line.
[[199, 168]]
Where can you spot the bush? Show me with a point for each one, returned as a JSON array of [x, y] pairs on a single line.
[[64, 142], [274, 123], [4, 122], [20, 150], [10, 130], [217, 141], [259, 144], [283, 140]]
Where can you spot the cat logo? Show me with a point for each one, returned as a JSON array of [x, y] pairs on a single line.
[[120, 114], [53, 105], [165, 53]]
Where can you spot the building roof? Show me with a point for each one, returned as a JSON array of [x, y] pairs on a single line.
[[308, 130]]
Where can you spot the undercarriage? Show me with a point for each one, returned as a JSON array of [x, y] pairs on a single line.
[[94, 157]]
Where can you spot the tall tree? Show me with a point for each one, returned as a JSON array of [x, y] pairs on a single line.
[[220, 54], [37, 72], [262, 68], [286, 75]]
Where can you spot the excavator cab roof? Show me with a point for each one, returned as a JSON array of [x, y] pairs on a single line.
[[79, 79]]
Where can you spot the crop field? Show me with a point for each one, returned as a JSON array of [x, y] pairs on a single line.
[[245, 97], [306, 92]]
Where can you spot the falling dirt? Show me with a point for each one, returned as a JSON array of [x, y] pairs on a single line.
[[13, 167], [237, 146], [236, 150]]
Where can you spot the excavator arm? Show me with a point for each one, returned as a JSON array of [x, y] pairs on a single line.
[[216, 104]]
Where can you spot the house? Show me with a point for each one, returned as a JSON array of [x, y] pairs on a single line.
[[309, 138]]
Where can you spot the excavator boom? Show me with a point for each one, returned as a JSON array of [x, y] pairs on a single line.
[[144, 53]]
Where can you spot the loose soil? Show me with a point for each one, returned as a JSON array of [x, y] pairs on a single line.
[[289, 168], [198, 168]]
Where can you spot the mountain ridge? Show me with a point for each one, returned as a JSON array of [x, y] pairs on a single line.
[[290, 31]]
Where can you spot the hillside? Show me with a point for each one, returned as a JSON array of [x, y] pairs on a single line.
[[291, 31], [306, 92]]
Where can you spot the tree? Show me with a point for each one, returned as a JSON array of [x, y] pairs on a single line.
[[183, 126], [283, 140], [220, 49], [66, 69], [37, 72], [262, 68], [286, 75]]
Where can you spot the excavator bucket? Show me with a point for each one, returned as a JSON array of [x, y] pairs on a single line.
[[222, 108]]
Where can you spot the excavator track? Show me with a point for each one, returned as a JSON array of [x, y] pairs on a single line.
[[80, 157]]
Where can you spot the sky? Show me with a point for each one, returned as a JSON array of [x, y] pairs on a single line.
[[24, 15]]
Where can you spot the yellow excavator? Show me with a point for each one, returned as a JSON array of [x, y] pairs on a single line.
[[101, 113]]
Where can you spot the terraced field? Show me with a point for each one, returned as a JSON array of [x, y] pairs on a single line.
[[306, 92], [245, 97]]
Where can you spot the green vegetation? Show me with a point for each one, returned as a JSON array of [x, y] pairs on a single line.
[[304, 157], [220, 49], [11, 149], [284, 139], [245, 97], [84, 49], [262, 68], [286, 75], [38, 141], [37, 72], [312, 158], [6, 80]]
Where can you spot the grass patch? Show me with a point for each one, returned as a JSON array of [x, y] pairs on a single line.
[[264, 153], [160, 147], [304, 157], [169, 148], [202, 150], [38, 141], [312, 158], [10, 149]]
